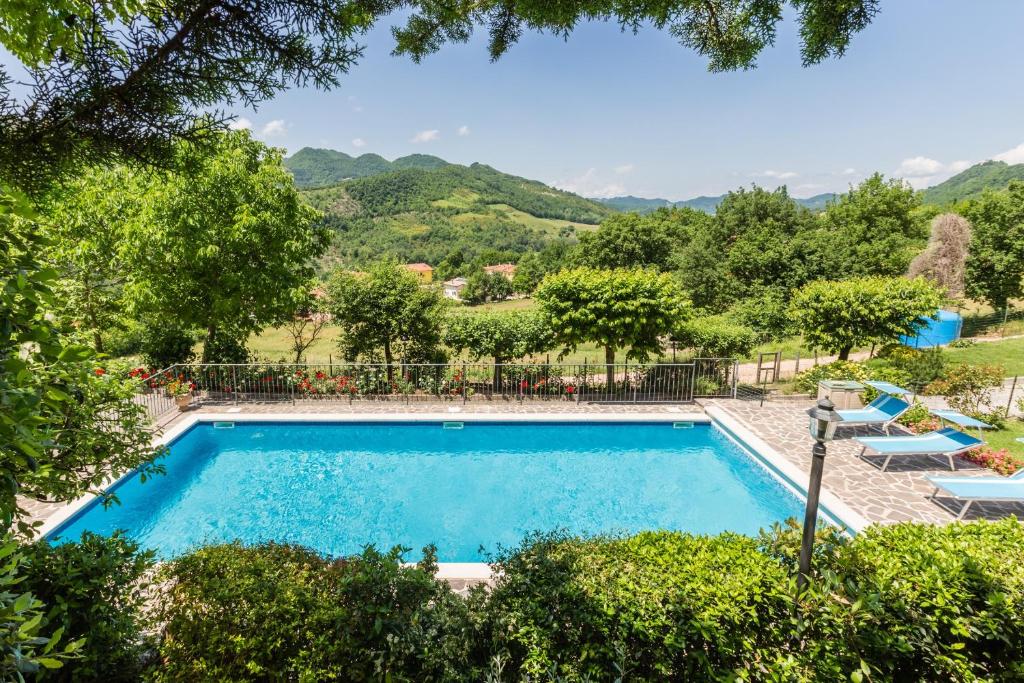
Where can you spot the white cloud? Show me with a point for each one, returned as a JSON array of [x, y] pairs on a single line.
[[241, 123], [923, 172], [778, 175], [808, 189], [849, 171], [1012, 156], [463, 131], [274, 128], [358, 142], [590, 184], [624, 169], [426, 136]]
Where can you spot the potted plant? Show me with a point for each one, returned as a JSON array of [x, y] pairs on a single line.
[[181, 391]]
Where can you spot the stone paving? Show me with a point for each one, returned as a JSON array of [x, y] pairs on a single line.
[[901, 493]]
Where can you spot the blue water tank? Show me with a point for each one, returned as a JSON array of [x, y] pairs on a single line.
[[937, 331]]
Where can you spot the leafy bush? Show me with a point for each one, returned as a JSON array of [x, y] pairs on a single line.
[[715, 337], [280, 612], [968, 388], [225, 348], [962, 343], [807, 381], [164, 345], [920, 366], [918, 419], [655, 606], [95, 591], [1000, 460]]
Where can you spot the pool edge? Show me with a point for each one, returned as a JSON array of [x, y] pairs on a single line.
[[752, 445]]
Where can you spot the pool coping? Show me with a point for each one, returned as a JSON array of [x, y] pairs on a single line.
[[759, 451]]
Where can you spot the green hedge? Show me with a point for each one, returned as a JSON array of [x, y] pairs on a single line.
[[900, 603]]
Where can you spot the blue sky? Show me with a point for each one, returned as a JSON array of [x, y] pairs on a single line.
[[929, 87]]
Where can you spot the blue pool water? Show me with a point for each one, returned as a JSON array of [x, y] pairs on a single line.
[[336, 487]]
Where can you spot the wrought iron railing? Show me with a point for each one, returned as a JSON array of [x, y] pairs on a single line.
[[621, 382]]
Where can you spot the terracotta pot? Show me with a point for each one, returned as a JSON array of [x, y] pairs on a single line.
[[183, 401]]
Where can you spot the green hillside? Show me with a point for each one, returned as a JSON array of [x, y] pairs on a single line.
[[995, 175], [453, 211], [321, 167]]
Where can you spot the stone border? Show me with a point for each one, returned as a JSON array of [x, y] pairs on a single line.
[[759, 451]]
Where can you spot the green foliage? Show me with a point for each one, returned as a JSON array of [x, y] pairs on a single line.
[[715, 337], [482, 287], [95, 591], [655, 606], [972, 183], [806, 382], [386, 311], [766, 312], [718, 30], [920, 365], [995, 263], [503, 336], [278, 612], [225, 244], [840, 316], [968, 388], [871, 230], [225, 346], [165, 345], [625, 241], [614, 308]]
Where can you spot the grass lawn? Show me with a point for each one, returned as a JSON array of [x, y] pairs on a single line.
[[1009, 353], [1007, 438], [275, 343]]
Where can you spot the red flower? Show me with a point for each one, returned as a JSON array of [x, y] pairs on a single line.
[[320, 374], [100, 372], [524, 384], [570, 390]]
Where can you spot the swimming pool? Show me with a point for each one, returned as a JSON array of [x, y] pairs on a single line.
[[466, 488]]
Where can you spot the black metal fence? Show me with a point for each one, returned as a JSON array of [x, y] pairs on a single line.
[[462, 382]]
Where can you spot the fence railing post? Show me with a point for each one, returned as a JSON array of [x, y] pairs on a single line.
[[735, 376], [234, 383], [465, 383]]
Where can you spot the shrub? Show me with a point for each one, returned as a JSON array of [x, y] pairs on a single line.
[[95, 591], [281, 612], [919, 366], [225, 348], [807, 381], [962, 343], [1002, 461], [968, 388], [163, 346], [655, 606], [715, 337], [918, 419]]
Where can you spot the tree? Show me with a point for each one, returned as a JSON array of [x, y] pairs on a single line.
[[749, 245], [625, 241], [501, 335], [86, 229], [870, 230], [383, 310], [482, 287], [995, 266], [618, 309], [117, 78], [307, 323], [225, 245], [944, 260], [66, 426], [840, 316], [529, 272]]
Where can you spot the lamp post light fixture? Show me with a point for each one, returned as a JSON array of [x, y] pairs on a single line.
[[823, 422]]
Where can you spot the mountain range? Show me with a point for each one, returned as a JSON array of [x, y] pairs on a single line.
[[702, 203], [314, 167], [994, 175]]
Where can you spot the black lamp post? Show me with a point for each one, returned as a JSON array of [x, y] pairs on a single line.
[[823, 422]]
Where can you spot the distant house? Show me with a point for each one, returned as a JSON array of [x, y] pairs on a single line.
[[453, 288], [506, 269], [422, 271]]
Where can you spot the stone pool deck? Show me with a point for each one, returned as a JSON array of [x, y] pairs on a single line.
[[899, 494]]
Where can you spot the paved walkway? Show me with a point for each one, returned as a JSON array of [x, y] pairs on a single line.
[[901, 493]]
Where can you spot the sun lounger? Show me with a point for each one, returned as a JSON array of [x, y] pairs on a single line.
[[960, 420], [947, 441], [887, 388], [881, 412], [970, 489]]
